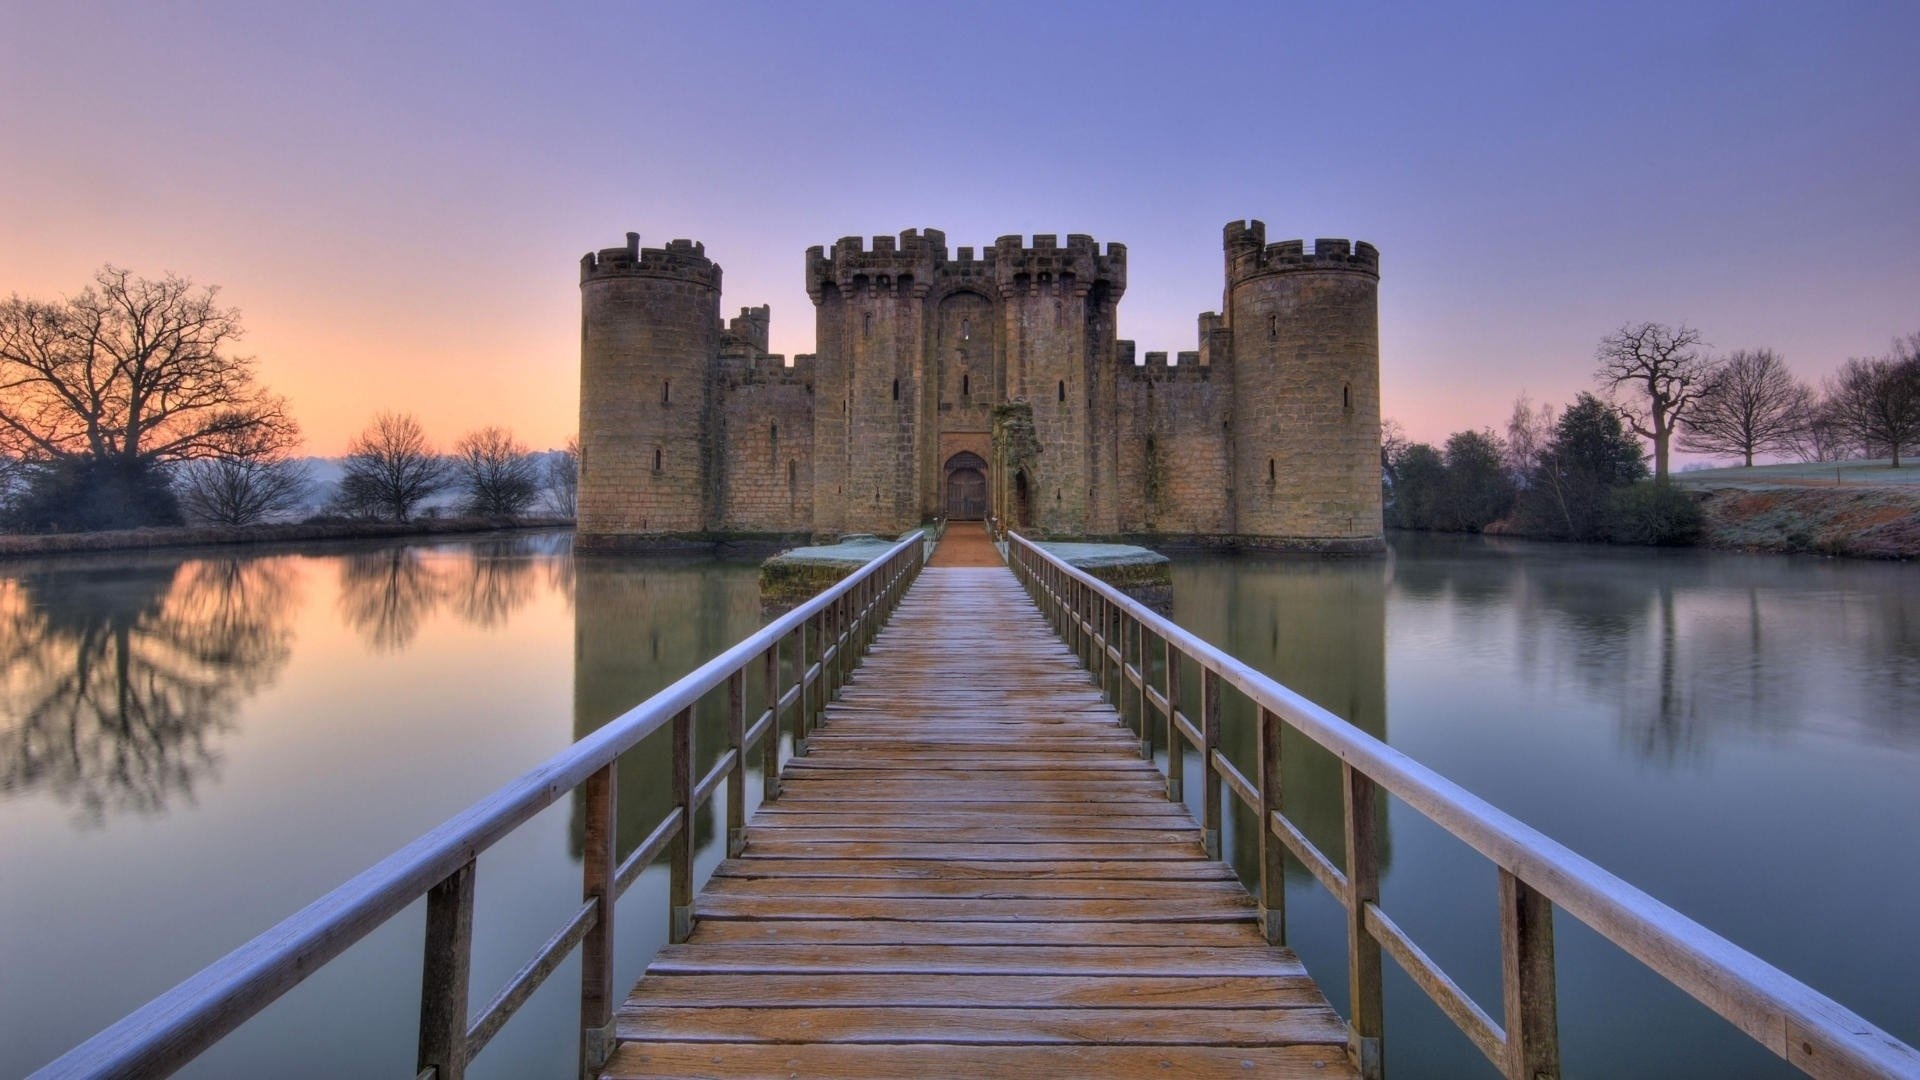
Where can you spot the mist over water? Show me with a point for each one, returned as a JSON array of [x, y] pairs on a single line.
[[193, 746]]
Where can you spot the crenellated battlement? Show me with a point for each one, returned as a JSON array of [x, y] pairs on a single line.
[[750, 327], [916, 262], [681, 260], [1157, 366], [1249, 255], [1019, 267], [738, 367], [905, 264]]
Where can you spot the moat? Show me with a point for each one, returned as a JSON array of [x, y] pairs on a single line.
[[194, 745]]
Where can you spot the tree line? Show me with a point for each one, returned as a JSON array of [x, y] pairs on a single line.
[[1581, 474], [125, 406]]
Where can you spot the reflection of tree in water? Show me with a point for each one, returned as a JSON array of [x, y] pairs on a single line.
[[499, 581], [115, 684], [387, 594]]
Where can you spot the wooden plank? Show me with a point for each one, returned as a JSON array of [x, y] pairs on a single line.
[[866, 989], [894, 809], [1105, 1027], [1192, 909], [1108, 818], [690, 959], [1039, 885], [948, 932], [1002, 834], [984, 869], [856, 1061], [905, 849]]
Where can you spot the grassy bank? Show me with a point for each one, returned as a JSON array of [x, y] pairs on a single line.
[[1852, 520], [20, 545], [1858, 509]]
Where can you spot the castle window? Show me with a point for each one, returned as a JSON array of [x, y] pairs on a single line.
[[896, 389], [866, 324], [773, 432], [966, 384], [1063, 390], [666, 391], [1346, 396], [793, 473], [1270, 475], [965, 332], [1273, 327], [656, 459]]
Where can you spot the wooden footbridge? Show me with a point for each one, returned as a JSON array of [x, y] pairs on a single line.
[[977, 870]]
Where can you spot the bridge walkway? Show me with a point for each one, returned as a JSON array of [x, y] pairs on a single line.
[[971, 872]]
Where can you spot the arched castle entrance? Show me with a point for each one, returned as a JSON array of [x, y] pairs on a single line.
[[965, 486]]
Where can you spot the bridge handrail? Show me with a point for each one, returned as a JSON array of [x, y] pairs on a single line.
[[172, 1029], [1803, 1026]]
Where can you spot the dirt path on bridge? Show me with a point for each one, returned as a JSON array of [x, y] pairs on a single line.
[[966, 543]]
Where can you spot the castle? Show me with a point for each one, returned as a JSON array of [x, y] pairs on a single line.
[[982, 383]]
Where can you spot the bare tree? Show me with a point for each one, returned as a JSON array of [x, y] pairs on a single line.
[[1876, 401], [252, 479], [1393, 442], [390, 469], [130, 368], [1751, 404], [497, 474], [1818, 434], [563, 479], [1666, 367], [1529, 430]]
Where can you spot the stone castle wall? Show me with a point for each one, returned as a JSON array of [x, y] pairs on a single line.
[[1266, 435], [765, 443], [1176, 473]]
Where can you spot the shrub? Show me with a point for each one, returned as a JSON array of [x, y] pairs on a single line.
[[87, 494], [1652, 512]]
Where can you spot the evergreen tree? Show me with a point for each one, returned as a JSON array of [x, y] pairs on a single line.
[[1477, 489], [1589, 456]]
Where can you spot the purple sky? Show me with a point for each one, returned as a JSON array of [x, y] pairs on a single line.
[[397, 195]]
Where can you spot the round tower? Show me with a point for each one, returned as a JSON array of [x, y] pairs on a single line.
[[649, 334], [1306, 391]]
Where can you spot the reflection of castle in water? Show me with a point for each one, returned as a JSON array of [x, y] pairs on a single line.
[[1317, 627], [639, 624], [116, 683]]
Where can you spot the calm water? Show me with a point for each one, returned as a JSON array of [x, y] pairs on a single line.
[[193, 747]]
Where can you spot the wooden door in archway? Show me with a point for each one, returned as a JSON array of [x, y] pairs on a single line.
[[966, 496]]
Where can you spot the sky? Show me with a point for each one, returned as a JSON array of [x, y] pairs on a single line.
[[396, 196]]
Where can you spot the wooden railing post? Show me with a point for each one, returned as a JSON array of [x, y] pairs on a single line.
[[803, 705], [1527, 982], [770, 742], [1096, 640], [1363, 952], [1211, 814], [1273, 865], [1143, 660], [680, 852], [1176, 742], [443, 977], [737, 777], [599, 862]]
